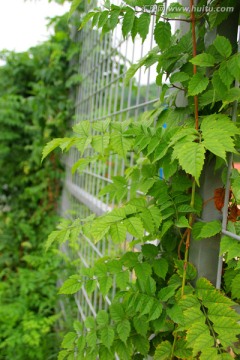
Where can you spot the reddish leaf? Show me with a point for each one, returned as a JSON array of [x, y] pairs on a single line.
[[219, 198], [234, 212]]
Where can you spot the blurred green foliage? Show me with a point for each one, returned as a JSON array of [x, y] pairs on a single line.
[[35, 107]]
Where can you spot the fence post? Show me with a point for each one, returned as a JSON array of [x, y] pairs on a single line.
[[204, 254]]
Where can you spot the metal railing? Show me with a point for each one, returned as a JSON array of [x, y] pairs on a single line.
[[102, 94]]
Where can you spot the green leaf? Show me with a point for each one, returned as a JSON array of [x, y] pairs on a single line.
[[208, 97], [162, 34], [117, 312], [166, 293], [176, 314], [150, 250], [236, 287], [216, 18], [134, 30], [199, 337], [102, 318], [130, 259], [163, 351], [74, 6], [182, 222], [124, 351], [90, 322], [57, 235], [82, 143], [179, 77], [143, 303], [117, 214], [53, 145], [118, 232], [128, 21], [62, 354], [107, 336], [214, 144], [232, 95], [101, 125], [160, 151], [81, 342], [234, 66], [155, 311], [82, 128], [105, 353], [123, 329], [184, 208], [181, 351], [191, 271], [143, 271], [143, 25], [219, 121], [113, 19], [91, 338], [86, 18], [95, 19], [224, 319], [212, 353], [160, 267], [134, 68], [105, 283], [100, 143], [219, 87], [174, 10], [189, 133], [230, 246], [141, 325], [120, 144], [71, 285], [191, 157], [80, 165], [156, 215], [103, 18], [114, 266], [78, 327], [203, 230], [226, 74], [203, 60], [217, 132], [197, 84], [122, 279], [69, 340], [147, 220], [223, 46], [209, 295], [169, 167], [100, 229], [131, 72], [141, 344], [134, 226]]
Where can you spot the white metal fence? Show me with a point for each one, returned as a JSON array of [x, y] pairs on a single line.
[[102, 94]]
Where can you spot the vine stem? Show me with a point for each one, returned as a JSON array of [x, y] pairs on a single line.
[[173, 346], [191, 218]]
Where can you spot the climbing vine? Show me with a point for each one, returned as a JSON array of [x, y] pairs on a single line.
[[160, 309]]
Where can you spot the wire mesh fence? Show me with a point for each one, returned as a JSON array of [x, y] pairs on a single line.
[[102, 95]]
